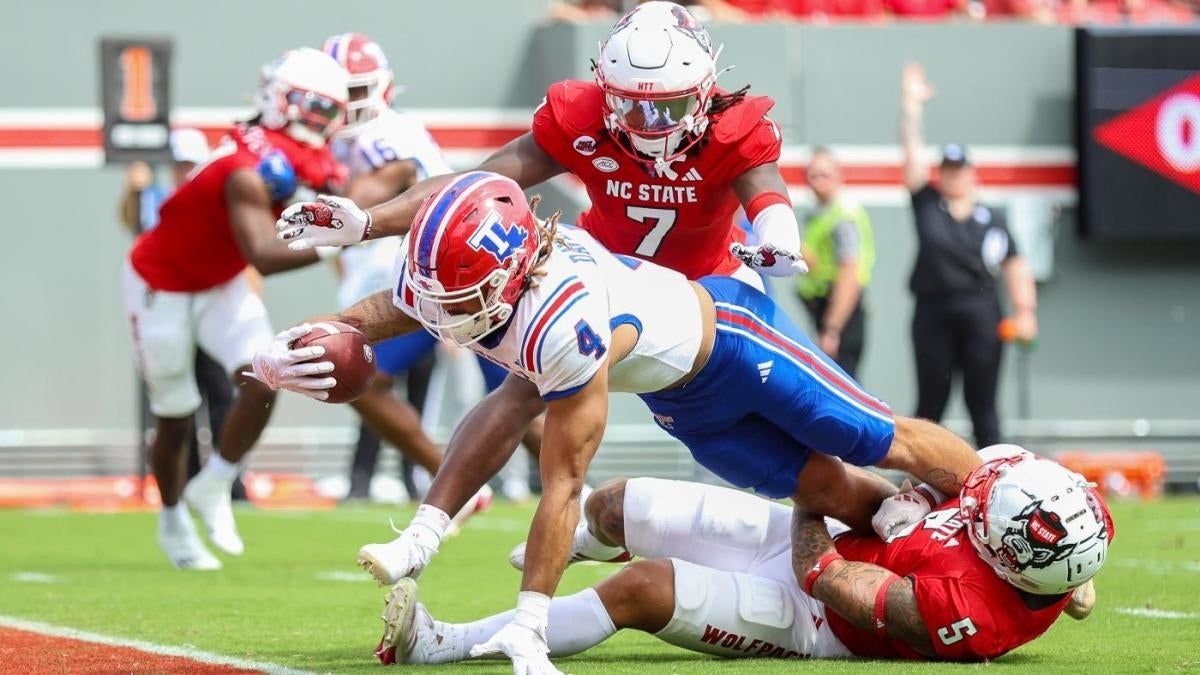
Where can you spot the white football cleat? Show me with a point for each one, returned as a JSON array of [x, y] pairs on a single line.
[[184, 549], [389, 563], [209, 498], [584, 548], [410, 635], [481, 502]]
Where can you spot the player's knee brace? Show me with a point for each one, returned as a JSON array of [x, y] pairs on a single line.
[[730, 614], [665, 518]]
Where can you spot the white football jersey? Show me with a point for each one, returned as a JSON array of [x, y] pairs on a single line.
[[561, 330], [391, 137]]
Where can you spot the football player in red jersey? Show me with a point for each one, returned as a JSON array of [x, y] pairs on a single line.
[[978, 576], [184, 287], [666, 156]]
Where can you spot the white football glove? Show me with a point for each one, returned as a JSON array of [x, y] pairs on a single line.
[[902, 509], [770, 260], [329, 221], [281, 367], [523, 639]]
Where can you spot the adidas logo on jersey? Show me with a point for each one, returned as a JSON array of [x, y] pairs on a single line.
[[764, 370], [691, 175]]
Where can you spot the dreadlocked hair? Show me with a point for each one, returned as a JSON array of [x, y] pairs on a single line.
[[722, 102], [547, 235]]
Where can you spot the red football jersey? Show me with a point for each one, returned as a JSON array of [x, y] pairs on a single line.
[[971, 613], [193, 247], [682, 220]]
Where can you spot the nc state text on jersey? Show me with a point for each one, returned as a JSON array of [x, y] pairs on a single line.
[[658, 194]]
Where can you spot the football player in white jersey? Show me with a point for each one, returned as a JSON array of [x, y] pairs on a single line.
[[558, 310], [387, 152]]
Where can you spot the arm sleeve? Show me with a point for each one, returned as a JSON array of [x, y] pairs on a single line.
[[572, 356], [845, 240], [570, 348], [1002, 222]]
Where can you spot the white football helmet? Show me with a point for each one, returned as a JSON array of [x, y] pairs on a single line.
[[658, 72], [1040, 526], [364, 61], [303, 93]]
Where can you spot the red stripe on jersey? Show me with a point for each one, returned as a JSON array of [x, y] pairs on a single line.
[[816, 364], [539, 326]]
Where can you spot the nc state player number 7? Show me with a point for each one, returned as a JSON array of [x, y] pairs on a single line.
[[662, 220]]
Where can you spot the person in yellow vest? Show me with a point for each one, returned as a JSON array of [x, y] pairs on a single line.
[[839, 247]]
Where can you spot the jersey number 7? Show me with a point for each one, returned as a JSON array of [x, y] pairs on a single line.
[[661, 220]]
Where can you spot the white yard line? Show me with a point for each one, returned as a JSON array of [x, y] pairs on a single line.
[[149, 647], [35, 578], [350, 577], [1157, 613]]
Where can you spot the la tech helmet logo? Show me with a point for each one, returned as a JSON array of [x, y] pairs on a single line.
[[1162, 134]]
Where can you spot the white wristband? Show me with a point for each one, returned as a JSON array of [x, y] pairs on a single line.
[[931, 493], [533, 610]]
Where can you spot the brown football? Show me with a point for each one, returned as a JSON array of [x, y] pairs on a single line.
[[351, 354]]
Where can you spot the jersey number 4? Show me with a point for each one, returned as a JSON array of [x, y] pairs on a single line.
[[589, 342], [661, 221], [957, 631]]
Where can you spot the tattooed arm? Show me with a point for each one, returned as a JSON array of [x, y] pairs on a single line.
[[375, 316], [849, 587]]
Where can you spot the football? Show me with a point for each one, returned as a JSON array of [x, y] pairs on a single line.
[[351, 354]]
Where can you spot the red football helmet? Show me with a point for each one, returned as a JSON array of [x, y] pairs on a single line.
[[472, 243], [364, 60]]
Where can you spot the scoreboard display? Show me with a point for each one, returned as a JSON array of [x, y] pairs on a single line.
[[135, 95], [1138, 132]]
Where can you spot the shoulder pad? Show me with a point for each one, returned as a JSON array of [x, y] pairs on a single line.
[[577, 106], [738, 121]]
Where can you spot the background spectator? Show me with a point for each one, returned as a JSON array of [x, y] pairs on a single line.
[[839, 247], [961, 247]]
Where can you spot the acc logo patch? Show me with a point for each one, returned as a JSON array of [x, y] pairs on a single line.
[[606, 164], [585, 145], [368, 354]]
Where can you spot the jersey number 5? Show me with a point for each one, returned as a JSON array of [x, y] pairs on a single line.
[[957, 631], [661, 221]]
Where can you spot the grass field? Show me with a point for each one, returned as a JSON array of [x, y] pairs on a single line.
[[296, 599]]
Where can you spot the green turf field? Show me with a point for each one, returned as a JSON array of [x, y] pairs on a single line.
[[296, 598]]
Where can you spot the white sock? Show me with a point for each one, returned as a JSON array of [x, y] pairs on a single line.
[[220, 468], [577, 622], [174, 518]]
